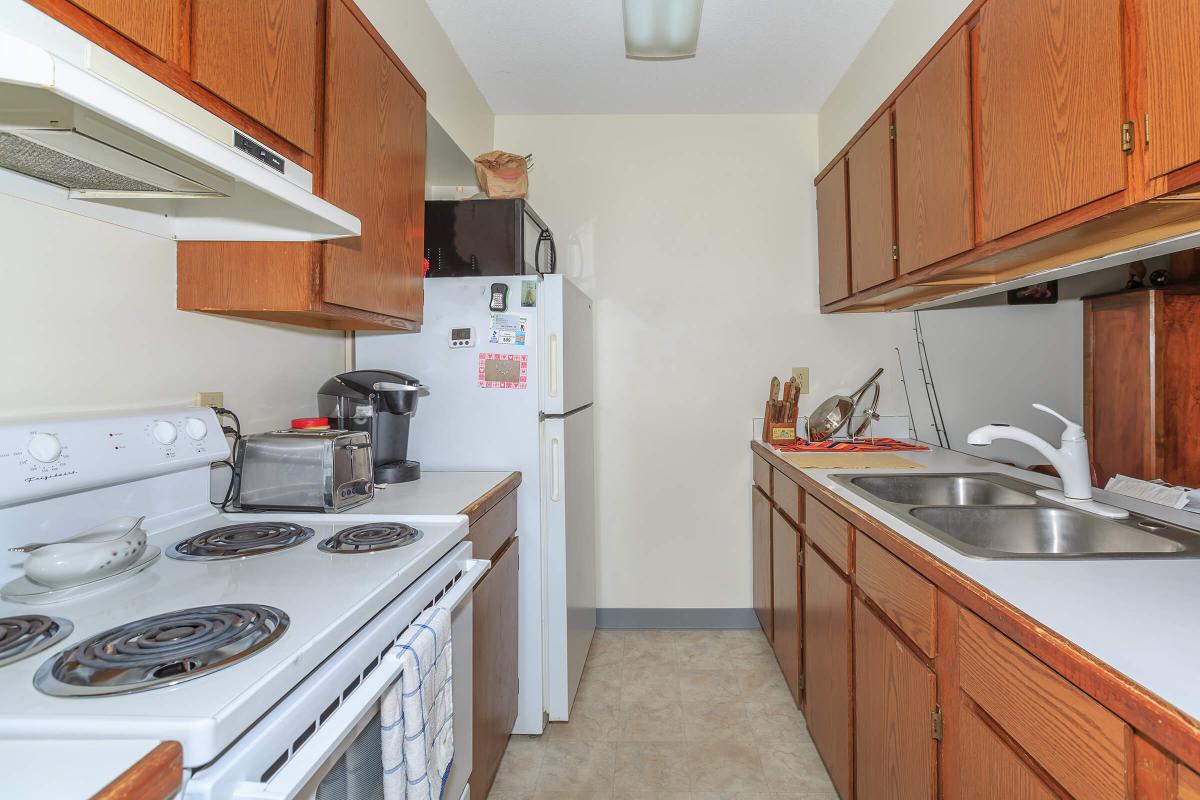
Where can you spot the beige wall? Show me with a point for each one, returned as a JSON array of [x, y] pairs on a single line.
[[904, 35], [695, 235], [88, 313], [89, 320]]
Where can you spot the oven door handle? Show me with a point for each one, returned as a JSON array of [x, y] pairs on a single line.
[[307, 761]]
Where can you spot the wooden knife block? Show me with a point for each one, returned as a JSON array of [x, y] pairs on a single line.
[[779, 425]]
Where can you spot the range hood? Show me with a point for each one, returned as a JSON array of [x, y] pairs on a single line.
[[83, 131]]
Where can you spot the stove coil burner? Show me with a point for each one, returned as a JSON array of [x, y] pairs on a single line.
[[28, 634], [161, 650], [370, 538], [239, 541]]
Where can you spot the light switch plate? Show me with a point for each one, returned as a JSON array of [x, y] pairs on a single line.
[[801, 374], [210, 399]]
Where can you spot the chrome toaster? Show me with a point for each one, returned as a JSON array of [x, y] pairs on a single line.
[[305, 470]]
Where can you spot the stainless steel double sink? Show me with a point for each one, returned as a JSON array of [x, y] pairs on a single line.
[[993, 516]]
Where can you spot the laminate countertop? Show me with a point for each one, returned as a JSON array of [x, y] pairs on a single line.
[[443, 493], [1140, 617], [130, 769]]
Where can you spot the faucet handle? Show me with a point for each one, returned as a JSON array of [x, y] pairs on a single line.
[[1074, 431]]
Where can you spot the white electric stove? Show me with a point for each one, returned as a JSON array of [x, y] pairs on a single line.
[[259, 642]]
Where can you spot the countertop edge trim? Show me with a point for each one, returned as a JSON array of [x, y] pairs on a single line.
[[486, 502], [155, 776]]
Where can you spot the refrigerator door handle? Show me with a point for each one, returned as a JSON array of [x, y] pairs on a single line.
[[555, 467], [553, 359]]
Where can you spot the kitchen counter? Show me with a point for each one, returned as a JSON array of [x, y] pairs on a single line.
[[1137, 617], [442, 493], [90, 768]]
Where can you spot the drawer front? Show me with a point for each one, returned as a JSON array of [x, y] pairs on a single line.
[[829, 532], [1072, 737], [493, 529], [904, 596], [762, 474], [788, 496]]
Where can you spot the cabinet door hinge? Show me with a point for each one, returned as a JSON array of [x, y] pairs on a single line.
[[800, 558], [895, 252], [1127, 137], [800, 682], [936, 718], [892, 132]]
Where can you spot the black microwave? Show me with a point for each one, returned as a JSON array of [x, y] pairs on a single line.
[[486, 237]]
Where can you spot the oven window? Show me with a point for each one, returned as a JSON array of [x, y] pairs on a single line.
[[358, 774]]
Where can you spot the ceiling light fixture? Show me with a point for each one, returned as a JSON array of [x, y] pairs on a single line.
[[658, 30]]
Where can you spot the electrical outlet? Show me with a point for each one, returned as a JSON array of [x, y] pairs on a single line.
[[209, 399], [801, 374]]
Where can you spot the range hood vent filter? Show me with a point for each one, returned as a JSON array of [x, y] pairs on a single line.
[[90, 179]]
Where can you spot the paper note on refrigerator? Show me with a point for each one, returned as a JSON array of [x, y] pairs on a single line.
[[508, 329]]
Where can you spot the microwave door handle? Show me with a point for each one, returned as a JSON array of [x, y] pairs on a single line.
[[307, 761]]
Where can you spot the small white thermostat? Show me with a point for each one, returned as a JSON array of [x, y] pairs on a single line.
[[462, 337]]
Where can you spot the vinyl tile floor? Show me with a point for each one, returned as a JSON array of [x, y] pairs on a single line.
[[672, 715]]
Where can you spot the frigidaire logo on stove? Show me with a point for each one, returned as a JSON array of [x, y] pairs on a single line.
[[33, 478]]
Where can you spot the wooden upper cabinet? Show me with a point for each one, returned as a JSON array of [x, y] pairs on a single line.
[[262, 57], [1049, 93], [157, 26], [895, 694], [933, 159], [833, 234], [872, 207], [1168, 52], [374, 167], [827, 666]]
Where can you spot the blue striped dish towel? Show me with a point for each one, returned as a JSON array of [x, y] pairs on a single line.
[[417, 712]]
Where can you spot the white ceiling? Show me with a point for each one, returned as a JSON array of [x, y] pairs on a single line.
[[568, 56]]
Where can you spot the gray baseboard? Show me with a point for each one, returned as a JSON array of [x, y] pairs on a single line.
[[617, 618]]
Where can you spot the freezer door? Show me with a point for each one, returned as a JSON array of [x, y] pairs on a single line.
[[566, 346], [569, 508]]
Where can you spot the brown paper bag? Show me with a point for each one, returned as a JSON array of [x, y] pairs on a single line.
[[502, 176]]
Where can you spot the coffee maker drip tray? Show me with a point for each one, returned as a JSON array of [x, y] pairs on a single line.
[[397, 472]]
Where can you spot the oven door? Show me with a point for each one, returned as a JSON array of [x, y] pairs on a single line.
[[323, 739]]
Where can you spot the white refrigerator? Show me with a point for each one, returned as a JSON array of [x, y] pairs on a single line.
[[512, 389]]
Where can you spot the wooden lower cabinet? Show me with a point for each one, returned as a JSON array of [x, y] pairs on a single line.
[[1019, 729], [785, 583], [910, 695], [895, 696], [761, 558], [495, 667], [827, 666]]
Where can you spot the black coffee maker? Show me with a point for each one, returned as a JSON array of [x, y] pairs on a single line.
[[381, 403]]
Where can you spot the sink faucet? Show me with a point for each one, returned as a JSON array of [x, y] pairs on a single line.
[[1070, 459]]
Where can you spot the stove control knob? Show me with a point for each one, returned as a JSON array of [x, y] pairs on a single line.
[[45, 447], [164, 432], [196, 428]]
